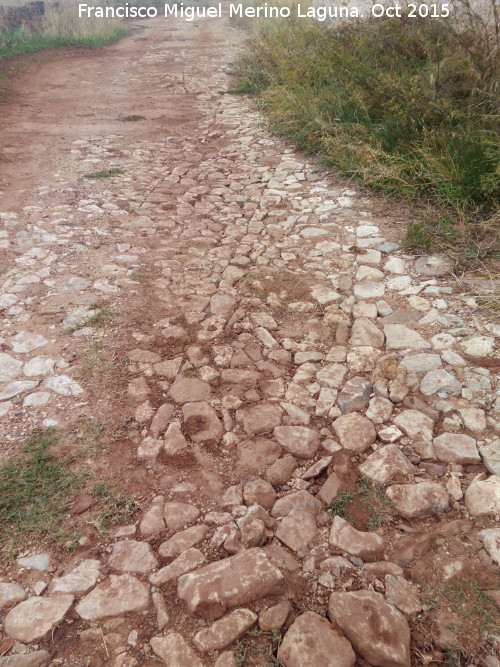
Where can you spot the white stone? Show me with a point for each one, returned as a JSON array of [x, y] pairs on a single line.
[[63, 385], [10, 368], [26, 342]]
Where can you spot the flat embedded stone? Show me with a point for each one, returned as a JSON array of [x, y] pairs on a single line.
[[258, 453], [355, 395], [201, 422], [296, 531], [365, 332], [174, 650], [301, 501], [416, 425], [225, 631], [257, 419], [376, 629], [183, 540], [421, 363], [189, 560], [174, 440], [132, 556], [312, 640], [11, 594], [39, 367], [438, 382], [80, 580], [491, 541], [180, 515], [189, 390], [63, 385], [15, 388], [34, 618], [274, 617], [490, 454], [10, 368], [432, 265], [401, 337], [33, 659], [402, 594], [231, 582], [479, 346], [120, 594], [25, 341], [332, 375]]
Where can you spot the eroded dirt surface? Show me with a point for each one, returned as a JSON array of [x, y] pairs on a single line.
[[234, 339]]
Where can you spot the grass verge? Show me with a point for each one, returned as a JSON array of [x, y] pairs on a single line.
[[60, 26], [407, 106], [35, 492]]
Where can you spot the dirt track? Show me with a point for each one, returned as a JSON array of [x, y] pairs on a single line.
[[203, 326]]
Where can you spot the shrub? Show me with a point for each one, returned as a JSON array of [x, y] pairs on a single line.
[[406, 105]]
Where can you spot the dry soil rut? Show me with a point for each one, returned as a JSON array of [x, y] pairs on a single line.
[[235, 339]]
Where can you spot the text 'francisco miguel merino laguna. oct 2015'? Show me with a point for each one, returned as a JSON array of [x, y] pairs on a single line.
[[239, 10]]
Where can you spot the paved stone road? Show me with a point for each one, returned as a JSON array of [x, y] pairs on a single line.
[[279, 343]]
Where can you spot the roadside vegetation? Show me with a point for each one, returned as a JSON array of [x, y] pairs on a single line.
[[408, 106], [59, 26]]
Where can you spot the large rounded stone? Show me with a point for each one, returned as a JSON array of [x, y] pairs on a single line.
[[299, 441], [456, 448], [385, 464], [433, 265], [261, 418], [483, 497], [311, 640], [355, 432], [490, 454], [376, 629], [416, 500], [258, 453], [227, 583], [344, 537]]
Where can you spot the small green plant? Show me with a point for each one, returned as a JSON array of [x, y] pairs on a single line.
[[35, 491], [131, 119], [99, 319], [239, 653], [191, 372], [113, 508], [105, 173], [340, 505], [453, 657]]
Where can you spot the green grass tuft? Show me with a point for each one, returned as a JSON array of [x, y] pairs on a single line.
[[106, 173], [131, 119]]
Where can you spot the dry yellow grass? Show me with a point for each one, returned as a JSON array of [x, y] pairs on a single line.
[[59, 26]]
